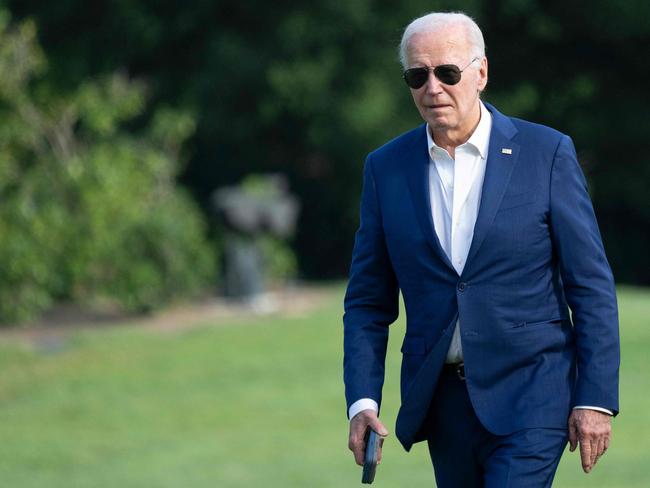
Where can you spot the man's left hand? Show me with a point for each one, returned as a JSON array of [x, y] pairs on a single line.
[[593, 430]]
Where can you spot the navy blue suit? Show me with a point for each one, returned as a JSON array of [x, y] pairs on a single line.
[[536, 256]]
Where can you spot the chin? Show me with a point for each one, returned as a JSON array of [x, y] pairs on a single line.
[[437, 124]]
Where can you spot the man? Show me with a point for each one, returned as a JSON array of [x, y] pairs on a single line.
[[484, 224]]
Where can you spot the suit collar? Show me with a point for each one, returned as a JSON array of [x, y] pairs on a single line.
[[501, 123]]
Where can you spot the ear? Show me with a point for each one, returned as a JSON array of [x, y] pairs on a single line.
[[483, 75]]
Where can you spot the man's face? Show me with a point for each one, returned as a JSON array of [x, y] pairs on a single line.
[[447, 107]]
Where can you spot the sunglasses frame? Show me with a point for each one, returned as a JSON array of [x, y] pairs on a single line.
[[436, 72]]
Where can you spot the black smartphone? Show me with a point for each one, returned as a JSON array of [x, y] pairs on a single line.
[[373, 443]]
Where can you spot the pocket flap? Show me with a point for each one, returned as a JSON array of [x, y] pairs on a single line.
[[414, 345], [526, 325]]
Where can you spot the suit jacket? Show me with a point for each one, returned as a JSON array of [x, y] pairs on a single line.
[[536, 254]]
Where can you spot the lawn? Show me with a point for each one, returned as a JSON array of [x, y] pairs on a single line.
[[251, 402]]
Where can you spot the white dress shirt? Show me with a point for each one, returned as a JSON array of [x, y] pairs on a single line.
[[455, 186]]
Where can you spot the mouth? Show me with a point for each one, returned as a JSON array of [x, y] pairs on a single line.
[[437, 106]]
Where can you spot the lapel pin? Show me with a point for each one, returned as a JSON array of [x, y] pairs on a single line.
[[506, 150]]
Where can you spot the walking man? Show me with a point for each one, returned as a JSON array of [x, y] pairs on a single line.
[[484, 224]]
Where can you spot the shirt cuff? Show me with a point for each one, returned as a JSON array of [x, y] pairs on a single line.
[[586, 407], [363, 404]]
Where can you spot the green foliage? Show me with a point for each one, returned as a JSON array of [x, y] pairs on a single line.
[[308, 89], [89, 211], [279, 259]]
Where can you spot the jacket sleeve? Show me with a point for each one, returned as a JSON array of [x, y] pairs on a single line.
[[371, 301], [587, 280]]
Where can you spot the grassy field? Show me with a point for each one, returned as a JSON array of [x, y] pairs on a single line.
[[254, 402]]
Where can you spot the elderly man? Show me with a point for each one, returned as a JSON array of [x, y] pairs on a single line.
[[484, 223]]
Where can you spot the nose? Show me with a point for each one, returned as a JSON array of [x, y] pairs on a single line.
[[433, 85]]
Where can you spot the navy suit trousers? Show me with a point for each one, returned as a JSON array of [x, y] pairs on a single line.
[[466, 455]]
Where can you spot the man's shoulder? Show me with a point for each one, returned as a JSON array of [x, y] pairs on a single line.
[[532, 133], [526, 127], [400, 144]]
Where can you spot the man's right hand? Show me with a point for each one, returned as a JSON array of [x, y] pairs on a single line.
[[358, 426]]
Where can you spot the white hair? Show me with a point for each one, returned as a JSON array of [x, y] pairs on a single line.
[[436, 21]]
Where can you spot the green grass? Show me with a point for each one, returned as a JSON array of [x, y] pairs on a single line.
[[255, 402]]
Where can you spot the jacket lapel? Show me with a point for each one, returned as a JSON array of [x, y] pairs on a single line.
[[417, 175], [503, 155]]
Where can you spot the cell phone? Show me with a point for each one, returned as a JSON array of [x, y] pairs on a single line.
[[373, 443]]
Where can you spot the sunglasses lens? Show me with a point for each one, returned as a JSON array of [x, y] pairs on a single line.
[[449, 74], [416, 77]]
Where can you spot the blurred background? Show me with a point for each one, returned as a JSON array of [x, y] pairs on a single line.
[[127, 131]]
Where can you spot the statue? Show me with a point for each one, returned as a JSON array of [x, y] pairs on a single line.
[[260, 206]]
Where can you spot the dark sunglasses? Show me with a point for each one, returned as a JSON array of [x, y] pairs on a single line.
[[449, 74]]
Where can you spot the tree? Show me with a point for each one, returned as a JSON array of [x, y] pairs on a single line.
[[89, 211], [309, 89]]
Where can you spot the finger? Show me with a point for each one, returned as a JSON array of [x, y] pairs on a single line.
[[585, 455], [601, 448], [573, 436], [357, 451], [359, 456], [356, 442], [356, 437], [358, 448], [594, 451]]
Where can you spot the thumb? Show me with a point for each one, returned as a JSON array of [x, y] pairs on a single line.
[[378, 427], [573, 436]]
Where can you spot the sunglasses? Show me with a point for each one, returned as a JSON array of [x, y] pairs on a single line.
[[449, 74]]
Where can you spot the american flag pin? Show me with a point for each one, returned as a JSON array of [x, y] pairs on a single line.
[[506, 150]]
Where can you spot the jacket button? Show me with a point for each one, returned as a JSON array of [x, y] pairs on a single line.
[[462, 286]]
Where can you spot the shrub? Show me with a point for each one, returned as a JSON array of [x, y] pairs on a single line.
[[89, 210]]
